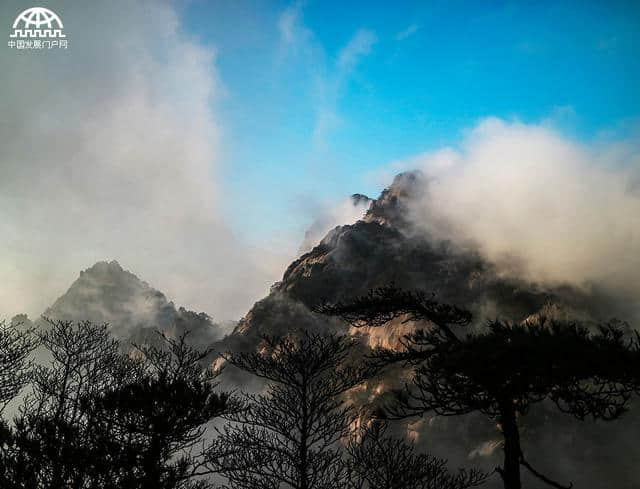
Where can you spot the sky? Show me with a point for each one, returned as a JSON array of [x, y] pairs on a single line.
[[196, 141], [320, 94]]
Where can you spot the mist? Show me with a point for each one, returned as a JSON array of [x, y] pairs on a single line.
[[329, 216], [537, 204], [111, 150]]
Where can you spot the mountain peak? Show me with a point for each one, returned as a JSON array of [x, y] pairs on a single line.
[[391, 206], [104, 267], [360, 199], [107, 293], [348, 211], [375, 251]]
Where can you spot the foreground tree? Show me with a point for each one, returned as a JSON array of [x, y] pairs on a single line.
[[158, 421], [50, 443], [15, 348], [289, 436], [15, 369], [504, 369], [98, 418], [379, 461]]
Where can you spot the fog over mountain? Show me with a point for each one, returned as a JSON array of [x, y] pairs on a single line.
[[386, 246], [537, 204], [158, 174]]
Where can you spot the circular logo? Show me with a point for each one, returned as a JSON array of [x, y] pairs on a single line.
[[38, 17]]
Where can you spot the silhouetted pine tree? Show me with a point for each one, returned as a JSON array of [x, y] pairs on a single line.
[[15, 347], [15, 370], [158, 420], [98, 418], [502, 370], [379, 461], [288, 437]]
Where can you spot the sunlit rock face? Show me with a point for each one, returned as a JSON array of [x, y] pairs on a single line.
[[384, 247], [106, 293]]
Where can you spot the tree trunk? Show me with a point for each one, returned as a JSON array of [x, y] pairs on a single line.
[[511, 469], [152, 463]]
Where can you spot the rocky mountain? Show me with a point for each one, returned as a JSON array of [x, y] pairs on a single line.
[[382, 248], [106, 293]]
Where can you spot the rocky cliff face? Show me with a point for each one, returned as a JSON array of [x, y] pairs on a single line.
[[106, 293]]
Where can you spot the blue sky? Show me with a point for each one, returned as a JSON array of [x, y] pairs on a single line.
[[318, 95]]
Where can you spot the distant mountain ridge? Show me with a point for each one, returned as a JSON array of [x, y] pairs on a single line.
[[107, 293]]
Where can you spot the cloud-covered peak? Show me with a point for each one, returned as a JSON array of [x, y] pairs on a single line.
[[348, 211], [107, 293], [537, 203]]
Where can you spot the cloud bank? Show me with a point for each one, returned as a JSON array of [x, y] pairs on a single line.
[[538, 204], [109, 150]]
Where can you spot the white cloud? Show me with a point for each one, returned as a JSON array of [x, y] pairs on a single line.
[[110, 150], [327, 78], [358, 46], [408, 32], [564, 211], [331, 85], [289, 22], [298, 44]]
